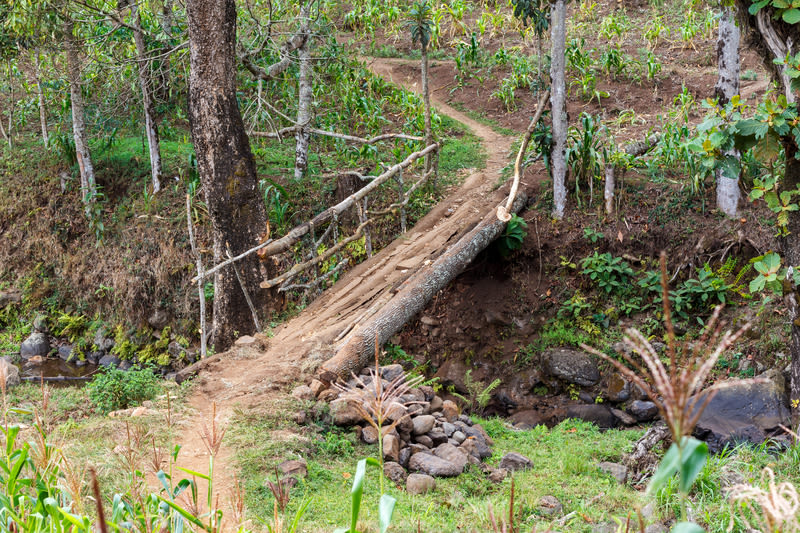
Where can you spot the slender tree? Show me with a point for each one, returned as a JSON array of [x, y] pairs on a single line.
[[727, 86], [558, 101], [305, 93], [225, 163], [420, 24]]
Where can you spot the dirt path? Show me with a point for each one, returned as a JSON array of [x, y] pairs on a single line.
[[248, 375]]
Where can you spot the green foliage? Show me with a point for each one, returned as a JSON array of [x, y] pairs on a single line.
[[335, 444], [513, 236], [585, 147], [71, 326], [611, 274], [114, 389], [479, 393], [419, 22], [592, 235], [385, 506]]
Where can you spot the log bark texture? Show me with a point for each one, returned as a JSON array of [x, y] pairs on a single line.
[[305, 95], [415, 294], [558, 99], [727, 86], [225, 163]]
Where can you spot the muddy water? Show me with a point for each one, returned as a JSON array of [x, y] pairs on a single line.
[[57, 371]]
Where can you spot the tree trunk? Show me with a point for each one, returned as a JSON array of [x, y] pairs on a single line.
[[608, 192], [88, 188], [11, 103], [42, 105], [558, 99], [143, 70], [791, 254], [426, 98], [225, 163], [727, 86], [305, 95], [415, 294]]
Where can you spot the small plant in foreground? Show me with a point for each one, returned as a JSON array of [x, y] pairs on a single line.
[[677, 389], [612, 274], [114, 389]]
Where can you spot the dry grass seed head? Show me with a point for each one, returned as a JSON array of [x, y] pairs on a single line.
[[775, 508], [212, 436]]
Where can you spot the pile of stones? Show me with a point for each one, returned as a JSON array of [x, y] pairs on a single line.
[[430, 437]]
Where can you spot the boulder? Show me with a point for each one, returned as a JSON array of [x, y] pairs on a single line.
[[110, 360], [459, 437], [496, 475], [10, 371], [424, 440], [369, 435], [623, 417], [513, 462], [617, 388], [437, 436], [394, 472], [618, 471], [40, 324], [452, 372], [420, 484], [572, 366], [423, 424], [294, 467], [436, 404], [405, 455], [748, 411], [390, 372], [476, 447], [597, 414], [10, 296], [450, 410], [550, 506], [36, 344], [303, 392], [345, 413], [158, 320], [391, 448], [642, 410], [527, 419], [433, 465], [450, 453], [65, 352]]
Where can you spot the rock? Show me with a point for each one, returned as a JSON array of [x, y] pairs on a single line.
[[465, 419], [158, 320], [391, 447], [420, 484], [394, 471], [451, 454], [40, 324], [317, 386], [423, 424], [345, 413], [125, 365], [459, 437], [104, 344], [36, 360], [433, 465], [571, 366], [36, 344], [429, 321], [369, 435], [299, 418], [328, 395], [246, 340], [748, 411], [303, 392], [405, 455], [437, 436], [110, 360], [452, 372], [65, 352], [618, 471], [93, 358], [623, 417], [450, 410], [294, 467], [478, 431], [476, 447], [424, 440], [448, 429], [390, 372], [617, 388], [514, 462], [597, 414], [648, 511], [658, 527], [416, 447], [436, 404], [550, 506], [643, 411], [427, 392], [497, 475], [10, 371], [527, 419]]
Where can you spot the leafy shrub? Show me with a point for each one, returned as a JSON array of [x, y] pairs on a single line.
[[114, 389], [512, 237], [611, 274]]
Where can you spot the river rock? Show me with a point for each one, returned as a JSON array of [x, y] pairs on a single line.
[[617, 389], [369, 435], [450, 410], [404, 456], [394, 471], [390, 372], [423, 424], [420, 484], [433, 465], [448, 429], [572, 366], [642, 410], [344, 413], [436, 404], [597, 414], [514, 461], [450, 453], [158, 320], [65, 352], [36, 344], [40, 324], [303, 393], [437, 436], [550, 506], [424, 440], [391, 447], [294, 467], [459, 437], [747, 411], [623, 417], [110, 360], [10, 371]]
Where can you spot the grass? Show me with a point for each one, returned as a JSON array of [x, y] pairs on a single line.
[[483, 119]]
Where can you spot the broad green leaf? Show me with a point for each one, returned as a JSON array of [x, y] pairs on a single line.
[[385, 511], [192, 472], [693, 459], [730, 167], [687, 527], [666, 469], [357, 492], [791, 16], [757, 6]]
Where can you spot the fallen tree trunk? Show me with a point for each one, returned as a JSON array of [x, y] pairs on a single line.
[[415, 294]]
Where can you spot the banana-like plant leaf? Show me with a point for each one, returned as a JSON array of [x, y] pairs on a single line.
[[693, 459], [385, 511]]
